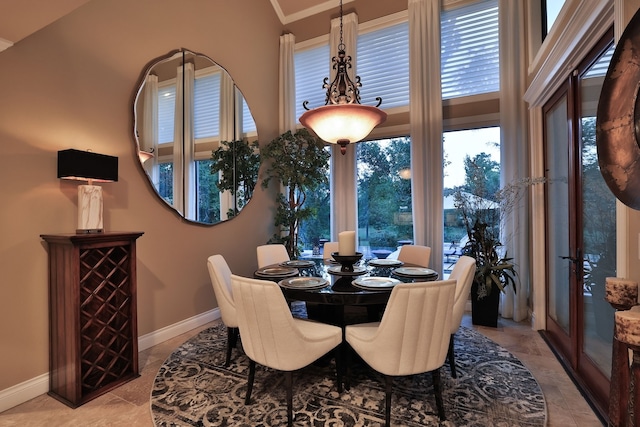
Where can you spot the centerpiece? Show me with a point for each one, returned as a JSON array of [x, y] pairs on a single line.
[[347, 261]]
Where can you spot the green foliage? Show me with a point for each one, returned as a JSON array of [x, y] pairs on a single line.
[[599, 219], [299, 162], [382, 193], [317, 225], [482, 175], [208, 194], [482, 214], [237, 164], [492, 270]]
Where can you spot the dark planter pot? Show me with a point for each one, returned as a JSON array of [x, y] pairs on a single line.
[[484, 311]]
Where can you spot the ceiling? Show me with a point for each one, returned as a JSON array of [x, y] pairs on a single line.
[[20, 18]]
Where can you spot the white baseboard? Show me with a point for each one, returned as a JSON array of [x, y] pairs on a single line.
[[27, 390], [20, 393], [168, 332]]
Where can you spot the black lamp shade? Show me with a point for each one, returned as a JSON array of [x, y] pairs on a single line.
[[86, 165]]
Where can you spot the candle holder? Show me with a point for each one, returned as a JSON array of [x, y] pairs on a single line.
[[347, 261]]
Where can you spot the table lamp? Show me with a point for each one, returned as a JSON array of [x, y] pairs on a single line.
[[91, 167]]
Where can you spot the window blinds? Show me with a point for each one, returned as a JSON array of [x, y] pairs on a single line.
[[470, 50], [383, 66], [311, 67], [166, 111], [206, 108]]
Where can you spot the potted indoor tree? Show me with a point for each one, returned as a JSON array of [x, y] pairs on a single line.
[[237, 164], [482, 213], [494, 271], [299, 162]]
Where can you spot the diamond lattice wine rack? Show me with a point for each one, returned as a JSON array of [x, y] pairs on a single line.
[[93, 324]]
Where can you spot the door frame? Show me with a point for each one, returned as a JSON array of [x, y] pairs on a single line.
[[591, 381]]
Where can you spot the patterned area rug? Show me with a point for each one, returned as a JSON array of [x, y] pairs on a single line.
[[193, 388]]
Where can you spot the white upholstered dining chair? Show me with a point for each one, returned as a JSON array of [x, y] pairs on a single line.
[[328, 249], [415, 254], [272, 337], [412, 337], [271, 254], [463, 272], [220, 275]]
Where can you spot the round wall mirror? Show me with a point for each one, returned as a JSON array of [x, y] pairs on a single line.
[[193, 130]]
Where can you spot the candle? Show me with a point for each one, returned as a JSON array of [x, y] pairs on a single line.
[[347, 243]]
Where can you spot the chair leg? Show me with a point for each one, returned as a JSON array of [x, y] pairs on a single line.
[[232, 339], [339, 355], [452, 358], [252, 374], [288, 377], [347, 351], [437, 388], [387, 400]]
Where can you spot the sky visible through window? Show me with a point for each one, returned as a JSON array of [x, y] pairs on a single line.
[[459, 144], [553, 9]]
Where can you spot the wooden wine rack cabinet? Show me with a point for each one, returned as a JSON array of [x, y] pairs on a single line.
[[92, 311]]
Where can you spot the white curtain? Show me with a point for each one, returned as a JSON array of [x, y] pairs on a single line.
[[287, 92], [426, 126], [514, 153], [149, 137], [344, 206], [227, 131]]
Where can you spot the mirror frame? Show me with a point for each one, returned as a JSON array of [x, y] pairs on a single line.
[[234, 201]]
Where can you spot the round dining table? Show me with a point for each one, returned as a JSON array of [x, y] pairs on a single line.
[[329, 292]]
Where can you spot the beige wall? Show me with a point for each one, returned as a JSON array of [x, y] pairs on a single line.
[[71, 85]]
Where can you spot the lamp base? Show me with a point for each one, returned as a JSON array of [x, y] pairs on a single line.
[[89, 208]]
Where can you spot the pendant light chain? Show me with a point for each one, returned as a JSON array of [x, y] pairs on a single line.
[[342, 120], [341, 45]]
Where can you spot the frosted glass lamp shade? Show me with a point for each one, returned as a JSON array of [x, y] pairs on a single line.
[[343, 123]]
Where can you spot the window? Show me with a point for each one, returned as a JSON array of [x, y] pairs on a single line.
[[311, 67], [550, 11], [470, 66], [208, 202], [248, 125], [470, 50], [384, 196], [201, 190], [166, 112], [383, 66], [206, 105], [316, 228], [482, 147]]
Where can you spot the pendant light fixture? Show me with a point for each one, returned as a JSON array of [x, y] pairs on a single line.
[[342, 120]]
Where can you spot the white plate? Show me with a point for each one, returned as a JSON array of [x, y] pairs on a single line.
[[307, 283], [414, 272], [337, 270], [300, 263], [277, 272], [375, 282], [386, 262]]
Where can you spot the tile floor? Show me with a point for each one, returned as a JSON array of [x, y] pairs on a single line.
[[128, 405]]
